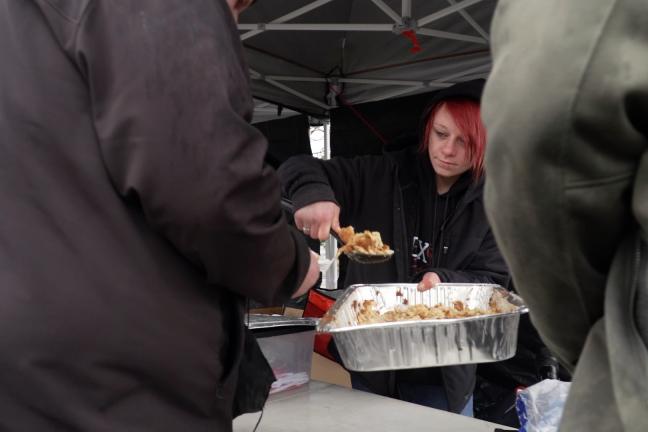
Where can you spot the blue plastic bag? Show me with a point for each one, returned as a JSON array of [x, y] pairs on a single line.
[[540, 406]]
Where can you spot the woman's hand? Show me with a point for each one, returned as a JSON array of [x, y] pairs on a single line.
[[316, 220], [428, 281]]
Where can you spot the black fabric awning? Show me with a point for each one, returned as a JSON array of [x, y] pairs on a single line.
[[374, 127], [286, 137]]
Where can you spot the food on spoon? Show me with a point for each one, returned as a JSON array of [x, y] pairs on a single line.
[[366, 242]]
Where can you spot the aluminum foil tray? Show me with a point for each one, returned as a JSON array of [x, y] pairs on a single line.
[[421, 343]]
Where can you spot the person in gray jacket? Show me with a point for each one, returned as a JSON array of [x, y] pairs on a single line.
[[566, 109], [137, 216]]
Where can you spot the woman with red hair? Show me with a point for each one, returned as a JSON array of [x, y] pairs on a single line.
[[454, 140], [427, 203]]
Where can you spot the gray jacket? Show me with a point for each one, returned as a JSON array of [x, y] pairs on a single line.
[[136, 216], [566, 108]]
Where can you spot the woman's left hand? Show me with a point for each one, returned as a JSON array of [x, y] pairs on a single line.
[[428, 281]]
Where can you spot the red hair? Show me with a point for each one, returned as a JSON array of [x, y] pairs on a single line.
[[466, 115]]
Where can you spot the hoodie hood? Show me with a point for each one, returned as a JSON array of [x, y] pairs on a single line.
[[463, 90]]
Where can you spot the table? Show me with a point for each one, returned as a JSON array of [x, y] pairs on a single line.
[[322, 407]]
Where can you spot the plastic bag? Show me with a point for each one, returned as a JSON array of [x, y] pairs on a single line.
[[540, 406]]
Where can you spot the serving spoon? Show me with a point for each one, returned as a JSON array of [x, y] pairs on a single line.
[[359, 257]]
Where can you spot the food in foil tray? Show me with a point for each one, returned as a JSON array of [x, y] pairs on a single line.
[[368, 341], [368, 314]]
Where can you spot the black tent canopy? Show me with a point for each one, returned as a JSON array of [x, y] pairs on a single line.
[[313, 56]]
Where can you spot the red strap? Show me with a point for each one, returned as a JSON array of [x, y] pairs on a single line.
[[416, 46], [358, 114]]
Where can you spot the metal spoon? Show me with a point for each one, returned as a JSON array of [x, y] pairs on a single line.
[[358, 257]]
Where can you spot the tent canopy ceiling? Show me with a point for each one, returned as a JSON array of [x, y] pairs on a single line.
[[303, 54]]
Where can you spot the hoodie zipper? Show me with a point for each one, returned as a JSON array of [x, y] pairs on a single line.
[[444, 248]]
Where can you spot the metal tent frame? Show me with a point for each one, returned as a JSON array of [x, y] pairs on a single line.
[[304, 54]]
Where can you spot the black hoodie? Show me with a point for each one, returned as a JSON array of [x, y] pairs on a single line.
[[370, 191]]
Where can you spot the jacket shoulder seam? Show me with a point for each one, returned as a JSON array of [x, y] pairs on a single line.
[[63, 15], [617, 178], [82, 18]]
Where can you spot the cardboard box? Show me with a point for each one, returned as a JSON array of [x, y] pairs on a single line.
[[328, 371]]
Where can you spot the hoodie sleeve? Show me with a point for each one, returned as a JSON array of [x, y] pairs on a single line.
[[345, 181], [172, 107]]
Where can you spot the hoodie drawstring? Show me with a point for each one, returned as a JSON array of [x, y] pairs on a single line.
[[434, 219], [443, 222]]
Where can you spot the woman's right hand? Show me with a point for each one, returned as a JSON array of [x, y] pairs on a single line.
[[316, 220]]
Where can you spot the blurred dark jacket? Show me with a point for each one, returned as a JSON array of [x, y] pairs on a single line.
[[137, 214]]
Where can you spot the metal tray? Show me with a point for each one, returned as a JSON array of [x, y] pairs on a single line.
[[262, 321], [421, 343]]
